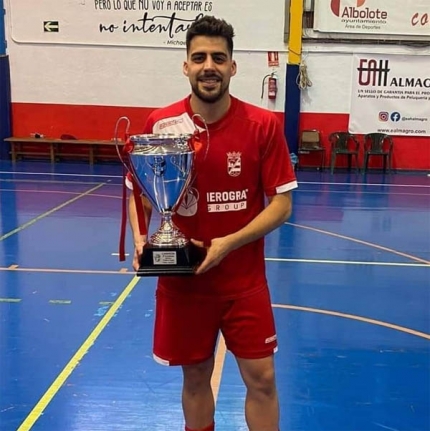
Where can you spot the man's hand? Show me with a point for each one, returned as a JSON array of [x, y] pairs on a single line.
[[138, 247], [215, 253]]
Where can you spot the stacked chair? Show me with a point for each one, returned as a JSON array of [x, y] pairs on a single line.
[[310, 143]]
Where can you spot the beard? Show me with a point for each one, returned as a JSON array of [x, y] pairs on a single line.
[[211, 95]]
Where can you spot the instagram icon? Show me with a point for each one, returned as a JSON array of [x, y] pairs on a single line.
[[383, 116]]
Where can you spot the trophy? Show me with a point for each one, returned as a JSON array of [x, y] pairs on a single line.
[[162, 165]]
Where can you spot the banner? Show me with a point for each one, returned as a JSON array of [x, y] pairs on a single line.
[[390, 94], [406, 17], [143, 23]]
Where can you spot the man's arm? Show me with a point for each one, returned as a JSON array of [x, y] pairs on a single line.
[[274, 215], [139, 240]]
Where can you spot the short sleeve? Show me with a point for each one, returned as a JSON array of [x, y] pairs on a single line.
[[277, 170]]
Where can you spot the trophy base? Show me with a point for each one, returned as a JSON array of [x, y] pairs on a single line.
[[169, 260]]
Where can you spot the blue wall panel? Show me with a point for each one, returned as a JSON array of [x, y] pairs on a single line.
[[292, 107], [5, 121], [2, 33], [5, 117]]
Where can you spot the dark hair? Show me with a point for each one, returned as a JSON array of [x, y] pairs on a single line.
[[212, 27]]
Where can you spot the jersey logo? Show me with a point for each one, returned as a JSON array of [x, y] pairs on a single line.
[[170, 122], [234, 164], [271, 339], [188, 206]]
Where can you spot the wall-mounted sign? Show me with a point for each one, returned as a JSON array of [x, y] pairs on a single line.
[[273, 58], [148, 23], [51, 26], [406, 17], [390, 94]]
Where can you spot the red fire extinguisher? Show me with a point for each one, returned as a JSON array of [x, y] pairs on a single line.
[[272, 87]]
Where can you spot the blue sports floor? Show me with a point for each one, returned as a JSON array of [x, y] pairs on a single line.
[[350, 283]]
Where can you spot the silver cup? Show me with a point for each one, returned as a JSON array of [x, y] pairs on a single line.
[[162, 165]]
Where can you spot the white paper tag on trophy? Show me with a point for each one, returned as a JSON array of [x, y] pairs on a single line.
[[164, 257]]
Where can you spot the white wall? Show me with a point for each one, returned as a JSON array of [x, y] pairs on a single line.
[[120, 76], [123, 74]]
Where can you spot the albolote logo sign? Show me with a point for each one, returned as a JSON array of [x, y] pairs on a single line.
[[357, 11], [409, 17]]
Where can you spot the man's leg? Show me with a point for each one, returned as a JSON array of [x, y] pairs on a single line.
[[197, 397], [261, 404], [250, 334], [185, 334]]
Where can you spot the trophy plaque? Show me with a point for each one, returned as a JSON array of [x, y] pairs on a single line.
[[162, 165]]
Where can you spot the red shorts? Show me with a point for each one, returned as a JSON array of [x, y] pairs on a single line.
[[186, 328]]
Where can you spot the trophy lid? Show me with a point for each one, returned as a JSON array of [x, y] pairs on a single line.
[[161, 143], [162, 138]]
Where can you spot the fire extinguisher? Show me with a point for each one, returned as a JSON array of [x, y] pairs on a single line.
[[272, 87]]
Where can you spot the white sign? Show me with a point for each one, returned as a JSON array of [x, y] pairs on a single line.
[[390, 94], [406, 17], [144, 23]]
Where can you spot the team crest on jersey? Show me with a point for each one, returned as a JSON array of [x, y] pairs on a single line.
[[234, 163]]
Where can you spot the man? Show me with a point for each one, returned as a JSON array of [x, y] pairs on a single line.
[[224, 211]]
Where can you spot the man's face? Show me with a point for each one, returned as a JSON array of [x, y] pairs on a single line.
[[209, 67]]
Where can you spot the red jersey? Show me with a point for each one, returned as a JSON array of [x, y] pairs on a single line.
[[247, 158]]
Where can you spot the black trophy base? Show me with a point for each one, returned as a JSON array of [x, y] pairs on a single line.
[[164, 261]]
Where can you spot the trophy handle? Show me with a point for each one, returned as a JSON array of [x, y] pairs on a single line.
[[127, 143], [128, 147]]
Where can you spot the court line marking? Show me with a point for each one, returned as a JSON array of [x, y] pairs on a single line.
[[3, 180], [355, 317], [60, 192], [347, 262], [363, 184], [47, 213], [65, 271], [119, 197], [47, 397], [60, 174], [359, 241], [300, 182], [361, 192], [60, 301], [124, 271]]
